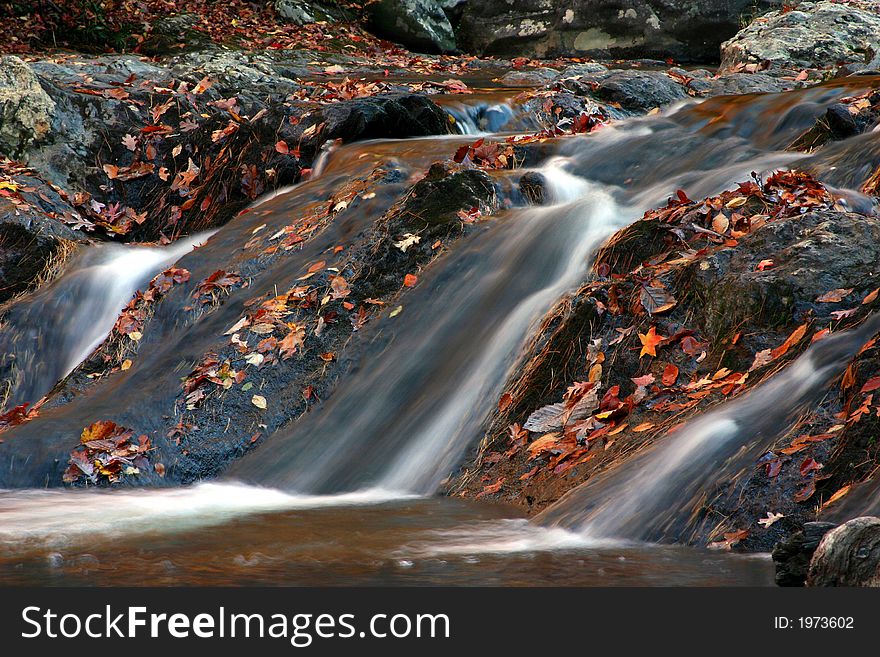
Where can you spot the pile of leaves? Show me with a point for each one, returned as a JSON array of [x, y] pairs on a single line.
[[130, 322], [329, 91], [107, 454], [486, 154], [127, 24]]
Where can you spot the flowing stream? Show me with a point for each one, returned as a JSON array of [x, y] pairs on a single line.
[[343, 492]]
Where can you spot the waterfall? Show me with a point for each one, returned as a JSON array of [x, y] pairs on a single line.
[[653, 495], [47, 335]]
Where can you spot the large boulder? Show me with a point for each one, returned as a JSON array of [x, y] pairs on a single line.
[[683, 29], [25, 109], [848, 555], [420, 25], [814, 35]]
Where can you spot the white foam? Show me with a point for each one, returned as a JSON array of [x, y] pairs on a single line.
[[62, 517]]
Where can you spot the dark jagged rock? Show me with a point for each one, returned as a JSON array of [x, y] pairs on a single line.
[[791, 556], [532, 186], [817, 252], [420, 25], [398, 115], [445, 191], [848, 555], [33, 245], [638, 91], [682, 29]]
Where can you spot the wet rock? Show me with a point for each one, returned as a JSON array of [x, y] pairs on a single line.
[[233, 73], [26, 110], [682, 29], [397, 115], [446, 190], [420, 25], [791, 557], [532, 186], [639, 91], [578, 70], [620, 93], [530, 78], [848, 555], [814, 35], [733, 84], [33, 246], [294, 11], [811, 254]]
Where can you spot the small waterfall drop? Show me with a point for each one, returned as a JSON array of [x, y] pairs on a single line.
[[72, 315], [654, 495]]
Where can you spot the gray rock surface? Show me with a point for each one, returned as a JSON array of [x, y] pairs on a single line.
[[26, 110], [814, 35]]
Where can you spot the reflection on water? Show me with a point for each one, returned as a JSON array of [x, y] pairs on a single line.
[[415, 542]]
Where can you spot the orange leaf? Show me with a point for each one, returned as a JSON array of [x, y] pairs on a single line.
[[649, 341], [840, 493], [796, 336], [670, 375], [410, 280], [871, 385]]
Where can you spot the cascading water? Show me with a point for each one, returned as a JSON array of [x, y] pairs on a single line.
[[73, 315], [653, 495], [425, 380]]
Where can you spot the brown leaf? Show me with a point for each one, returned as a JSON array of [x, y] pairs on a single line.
[[656, 299], [834, 296], [795, 337], [670, 375], [806, 492]]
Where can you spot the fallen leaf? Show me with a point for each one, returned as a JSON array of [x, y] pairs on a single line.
[[840, 493], [770, 519], [656, 300], [871, 385], [259, 401], [650, 341], [809, 465], [670, 375], [834, 296], [806, 492], [795, 337], [410, 280], [407, 241]]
